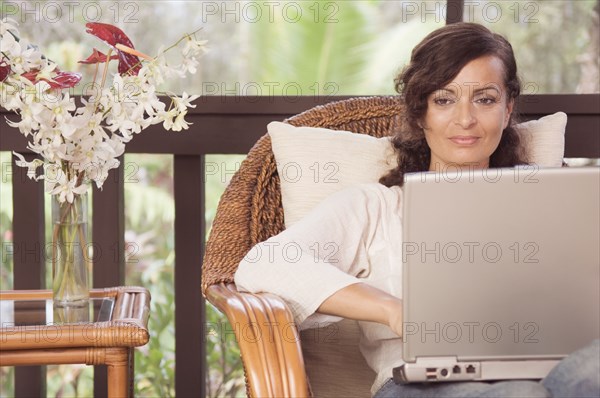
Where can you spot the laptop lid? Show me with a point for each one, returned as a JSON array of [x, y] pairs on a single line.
[[501, 263]]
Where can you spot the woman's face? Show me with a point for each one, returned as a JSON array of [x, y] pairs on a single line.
[[464, 120]]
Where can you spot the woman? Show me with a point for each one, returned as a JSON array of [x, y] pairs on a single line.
[[460, 90]]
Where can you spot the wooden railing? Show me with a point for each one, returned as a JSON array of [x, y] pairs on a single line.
[[221, 125]]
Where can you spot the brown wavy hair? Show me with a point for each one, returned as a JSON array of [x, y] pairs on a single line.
[[434, 63]]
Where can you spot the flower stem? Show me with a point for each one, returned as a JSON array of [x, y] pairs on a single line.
[[71, 269], [181, 39], [95, 74], [105, 71], [104, 74]]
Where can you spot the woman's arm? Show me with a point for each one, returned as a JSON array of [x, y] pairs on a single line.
[[322, 255], [365, 303]]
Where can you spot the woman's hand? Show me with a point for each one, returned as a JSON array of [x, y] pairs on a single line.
[[363, 302]]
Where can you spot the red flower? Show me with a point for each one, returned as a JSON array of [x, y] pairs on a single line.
[[65, 80], [97, 57], [128, 63], [4, 70], [60, 80]]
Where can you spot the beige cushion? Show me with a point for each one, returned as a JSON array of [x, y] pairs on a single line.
[[314, 163], [544, 139]]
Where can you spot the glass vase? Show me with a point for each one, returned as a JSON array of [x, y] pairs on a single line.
[[69, 252]]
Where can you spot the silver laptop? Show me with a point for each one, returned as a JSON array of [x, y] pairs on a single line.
[[501, 272]]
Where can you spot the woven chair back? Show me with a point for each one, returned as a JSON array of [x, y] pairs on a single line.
[[250, 209]]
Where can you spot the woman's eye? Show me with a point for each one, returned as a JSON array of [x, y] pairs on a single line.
[[486, 100], [442, 101]]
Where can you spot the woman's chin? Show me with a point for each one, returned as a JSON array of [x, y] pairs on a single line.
[[460, 164]]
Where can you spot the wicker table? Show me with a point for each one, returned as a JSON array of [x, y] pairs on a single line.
[[33, 333]]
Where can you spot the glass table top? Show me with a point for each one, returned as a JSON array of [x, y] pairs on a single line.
[[42, 312]]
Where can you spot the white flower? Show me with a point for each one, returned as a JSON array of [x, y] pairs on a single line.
[[9, 43], [27, 122], [194, 47], [184, 102], [189, 65], [34, 93], [10, 98], [66, 189], [116, 145], [74, 128], [89, 123], [150, 102], [127, 119], [60, 106], [99, 172], [162, 70], [31, 166], [167, 118], [178, 124], [7, 24], [22, 57]]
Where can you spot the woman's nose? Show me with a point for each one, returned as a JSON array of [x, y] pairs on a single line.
[[465, 116]]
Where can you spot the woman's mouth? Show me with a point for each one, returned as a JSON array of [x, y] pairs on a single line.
[[464, 139]]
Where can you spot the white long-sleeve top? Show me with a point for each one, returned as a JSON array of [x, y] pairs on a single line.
[[353, 236]]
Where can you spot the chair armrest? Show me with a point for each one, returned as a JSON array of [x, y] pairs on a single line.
[[268, 339]]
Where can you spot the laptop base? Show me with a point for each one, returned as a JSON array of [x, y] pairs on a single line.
[[441, 369]]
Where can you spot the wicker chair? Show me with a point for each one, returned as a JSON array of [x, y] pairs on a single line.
[[250, 212]]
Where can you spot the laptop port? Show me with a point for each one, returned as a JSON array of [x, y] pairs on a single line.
[[431, 373], [470, 369], [456, 369], [444, 372]]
